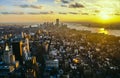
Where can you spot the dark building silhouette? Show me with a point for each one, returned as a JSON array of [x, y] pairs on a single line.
[[17, 51], [57, 22]]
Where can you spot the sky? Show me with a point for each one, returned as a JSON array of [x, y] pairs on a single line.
[[103, 11]]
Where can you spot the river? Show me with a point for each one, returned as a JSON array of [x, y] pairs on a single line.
[[94, 30]]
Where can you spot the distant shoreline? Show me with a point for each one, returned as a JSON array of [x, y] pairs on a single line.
[[105, 27], [115, 26]]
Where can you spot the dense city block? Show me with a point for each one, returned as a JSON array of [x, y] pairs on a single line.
[[52, 50]]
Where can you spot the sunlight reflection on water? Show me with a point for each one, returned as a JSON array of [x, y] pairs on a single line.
[[94, 30]]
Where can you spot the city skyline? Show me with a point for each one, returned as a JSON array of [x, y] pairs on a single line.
[[100, 11]]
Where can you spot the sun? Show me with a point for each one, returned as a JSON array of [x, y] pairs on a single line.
[[104, 16]]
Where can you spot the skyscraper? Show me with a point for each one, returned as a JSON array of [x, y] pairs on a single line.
[[17, 50], [27, 44], [7, 54], [57, 22], [22, 34], [26, 50], [12, 59]]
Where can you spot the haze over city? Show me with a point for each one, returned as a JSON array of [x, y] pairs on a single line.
[[59, 39]]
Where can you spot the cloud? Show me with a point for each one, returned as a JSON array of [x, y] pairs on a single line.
[[37, 7], [84, 14], [76, 5], [97, 11], [37, 13], [16, 13], [73, 13], [63, 5], [118, 14], [34, 13], [62, 13], [62, 1], [31, 6], [65, 1], [93, 14]]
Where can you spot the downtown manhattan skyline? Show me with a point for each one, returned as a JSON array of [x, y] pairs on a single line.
[[100, 11]]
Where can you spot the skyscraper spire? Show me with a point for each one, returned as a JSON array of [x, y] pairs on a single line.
[[7, 47]]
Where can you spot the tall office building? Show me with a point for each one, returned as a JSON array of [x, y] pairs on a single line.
[[26, 50], [7, 54], [57, 22], [17, 50], [12, 59], [22, 34], [7, 49], [27, 44], [34, 60], [25, 53]]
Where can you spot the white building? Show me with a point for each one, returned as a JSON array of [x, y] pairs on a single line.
[[52, 63]]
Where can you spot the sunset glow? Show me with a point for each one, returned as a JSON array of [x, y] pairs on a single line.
[[66, 10], [104, 16]]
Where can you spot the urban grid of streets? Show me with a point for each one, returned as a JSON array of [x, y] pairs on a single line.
[[78, 54]]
